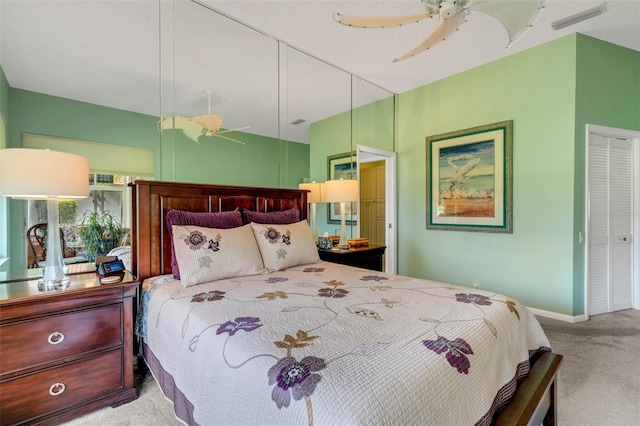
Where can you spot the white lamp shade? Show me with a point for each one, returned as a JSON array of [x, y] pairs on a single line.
[[40, 173], [343, 190], [317, 192]]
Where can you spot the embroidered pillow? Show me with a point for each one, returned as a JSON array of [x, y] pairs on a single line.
[[210, 254], [285, 246], [222, 220], [286, 216]]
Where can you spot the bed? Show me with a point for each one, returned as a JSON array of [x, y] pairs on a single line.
[[295, 340]]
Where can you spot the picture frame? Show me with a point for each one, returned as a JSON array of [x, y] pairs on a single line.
[[345, 166], [469, 179]]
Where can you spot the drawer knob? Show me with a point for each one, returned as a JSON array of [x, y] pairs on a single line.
[[55, 338], [56, 389]]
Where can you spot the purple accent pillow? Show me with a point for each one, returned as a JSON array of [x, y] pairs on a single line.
[[284, 217], [222, 220]]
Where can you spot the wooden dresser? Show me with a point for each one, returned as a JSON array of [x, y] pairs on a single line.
[[64, 353]]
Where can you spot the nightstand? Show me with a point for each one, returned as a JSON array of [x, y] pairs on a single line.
[[368, 257], [68, 352]]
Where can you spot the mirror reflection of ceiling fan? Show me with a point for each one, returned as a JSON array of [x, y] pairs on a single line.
[[517, 16], [201, 125]]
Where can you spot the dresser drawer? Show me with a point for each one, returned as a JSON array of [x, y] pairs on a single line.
[[27, 397], [36, 342]]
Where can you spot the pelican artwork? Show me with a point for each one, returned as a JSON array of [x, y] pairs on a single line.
[[461, 173]]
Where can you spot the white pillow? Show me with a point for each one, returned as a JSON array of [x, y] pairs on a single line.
[[285, 246], [209, 254]]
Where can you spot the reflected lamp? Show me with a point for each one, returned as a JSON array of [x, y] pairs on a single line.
[[316, 195], [342, 191], [41, 174]]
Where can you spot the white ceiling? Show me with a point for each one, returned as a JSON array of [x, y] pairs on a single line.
[[368, 53], [109, 53]]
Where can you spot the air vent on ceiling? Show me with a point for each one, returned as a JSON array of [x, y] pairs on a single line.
[[579, 17]]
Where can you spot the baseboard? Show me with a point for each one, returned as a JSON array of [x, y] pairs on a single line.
[[559, 317]]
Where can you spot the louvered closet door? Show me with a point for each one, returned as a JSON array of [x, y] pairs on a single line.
[[610, 251]]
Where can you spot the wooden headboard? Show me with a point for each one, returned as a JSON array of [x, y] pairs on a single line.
[[151, 251]]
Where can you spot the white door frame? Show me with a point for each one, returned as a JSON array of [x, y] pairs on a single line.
[[633, 135], [367, 154]]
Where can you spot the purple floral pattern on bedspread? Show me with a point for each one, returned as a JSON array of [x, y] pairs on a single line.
[[244, 323], [455, 352], [209, 296], [477, 299], [321, 317], [294, 378]]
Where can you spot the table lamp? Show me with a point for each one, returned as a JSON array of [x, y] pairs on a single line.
[[316, 195], [342, 191], [41, 174]]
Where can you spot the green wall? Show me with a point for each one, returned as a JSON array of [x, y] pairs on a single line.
[[550, 92], [371, 125], [261, 161], [176, 158], [535, 89], [4, 95], [607, 94]]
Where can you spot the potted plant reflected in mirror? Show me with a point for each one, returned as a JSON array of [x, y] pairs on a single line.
[[100, 232]]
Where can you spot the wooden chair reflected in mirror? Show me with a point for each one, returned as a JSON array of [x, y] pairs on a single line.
[[37, 252]]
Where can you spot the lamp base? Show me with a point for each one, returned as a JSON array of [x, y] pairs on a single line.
[[343, 244]]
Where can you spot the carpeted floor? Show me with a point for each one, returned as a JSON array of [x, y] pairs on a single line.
[[151, 408], [598, 382], [599, 379]]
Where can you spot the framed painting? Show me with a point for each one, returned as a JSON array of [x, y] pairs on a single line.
[[341, 166], [469, 179]]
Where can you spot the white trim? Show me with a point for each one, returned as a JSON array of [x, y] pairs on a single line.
[[595, 129], [557, 316], [636, 223], [633, 135], [367, 154]]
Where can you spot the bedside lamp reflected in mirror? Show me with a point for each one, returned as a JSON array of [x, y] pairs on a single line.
[[58, 175], [316, 195], [342, 191]]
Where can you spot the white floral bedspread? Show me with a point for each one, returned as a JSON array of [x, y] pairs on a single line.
[[328, 344]]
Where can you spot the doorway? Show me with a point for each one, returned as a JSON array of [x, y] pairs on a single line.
[[613, 197], [372, 202], [387, 159]]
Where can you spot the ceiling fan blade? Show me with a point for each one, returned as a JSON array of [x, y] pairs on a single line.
[[441, 32], [516, 16], [170, 123], [381, 22], [233, 130], [217, 135], [191, 129], [210, 122], [192, 134]]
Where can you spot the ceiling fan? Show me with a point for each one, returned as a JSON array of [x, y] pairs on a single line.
[[194, 127], [517, 16]]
